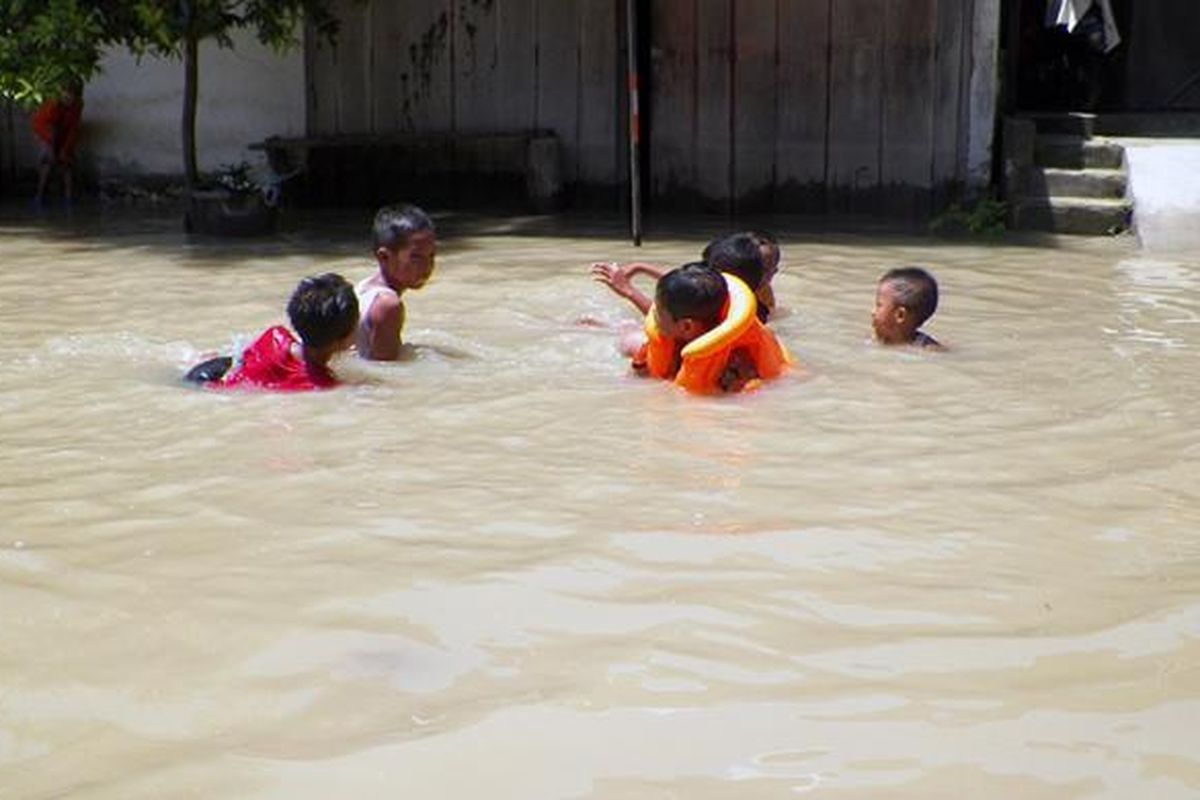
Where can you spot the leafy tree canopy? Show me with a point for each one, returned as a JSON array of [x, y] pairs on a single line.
[[46, 44]]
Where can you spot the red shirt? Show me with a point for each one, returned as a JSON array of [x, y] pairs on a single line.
[[57, 124], [272, 363]]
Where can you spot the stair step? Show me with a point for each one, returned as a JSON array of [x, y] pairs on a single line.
[[1058, 182], [1087, 216], [1133, 124], [1075, 152], [1184, 124], [1070, 124]]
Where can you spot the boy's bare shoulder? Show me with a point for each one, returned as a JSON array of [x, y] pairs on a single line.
[[926, 342]]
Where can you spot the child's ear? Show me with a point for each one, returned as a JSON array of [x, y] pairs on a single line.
[[690, 328], [901, 314], [381, 255]]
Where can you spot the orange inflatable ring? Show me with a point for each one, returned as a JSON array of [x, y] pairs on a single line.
[[741, 311]]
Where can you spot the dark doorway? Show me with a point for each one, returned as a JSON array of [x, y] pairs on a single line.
[[1053, 69], [1154, 68]]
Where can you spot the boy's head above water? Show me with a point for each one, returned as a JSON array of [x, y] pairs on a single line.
[[904, 300], [688, 301], [324, 311], [754, 257], [405, 246], [738, 254], [770, 252]]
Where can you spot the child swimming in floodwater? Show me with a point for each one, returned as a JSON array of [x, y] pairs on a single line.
[[702, 333], [405, 250], [739, 254], [324, 312], [772, 261], [753, 256], [905, 299]]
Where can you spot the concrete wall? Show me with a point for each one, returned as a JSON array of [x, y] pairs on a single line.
[[132, 111]]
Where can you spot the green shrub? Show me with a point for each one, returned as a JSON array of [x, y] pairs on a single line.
[[987, 217]]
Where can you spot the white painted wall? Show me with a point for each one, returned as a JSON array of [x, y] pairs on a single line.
[[132, 110], [1165, 192]]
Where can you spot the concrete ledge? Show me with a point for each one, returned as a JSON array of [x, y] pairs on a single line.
[[450, 169], [1075, 215], [1074, 152], [1019, 141], [1055, 182], [1166, 192], [1165, 124]]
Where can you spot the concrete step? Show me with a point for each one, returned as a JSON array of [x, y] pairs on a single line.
[[1075, 152], [1066, 124], [1088, 216], [1176, 124], [1056, 182], [1185, 124]]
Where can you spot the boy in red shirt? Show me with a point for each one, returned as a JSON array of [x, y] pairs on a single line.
[[324, 312], [56, 125]]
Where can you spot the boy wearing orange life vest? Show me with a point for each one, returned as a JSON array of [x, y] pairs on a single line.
[[703, 334]]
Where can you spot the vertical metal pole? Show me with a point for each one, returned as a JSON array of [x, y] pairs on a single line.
[[635, 164]]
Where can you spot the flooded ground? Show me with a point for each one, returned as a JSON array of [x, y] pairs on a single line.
[[506, 568]]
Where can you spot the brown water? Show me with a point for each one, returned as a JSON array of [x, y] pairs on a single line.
[[505, 568]]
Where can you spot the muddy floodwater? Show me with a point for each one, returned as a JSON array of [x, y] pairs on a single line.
[[505, 568]]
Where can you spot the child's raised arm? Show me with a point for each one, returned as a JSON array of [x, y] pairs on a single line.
[[619, 278]]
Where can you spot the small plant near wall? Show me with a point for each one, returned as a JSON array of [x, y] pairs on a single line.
[[235, 178], [231, 202], [985, 217]]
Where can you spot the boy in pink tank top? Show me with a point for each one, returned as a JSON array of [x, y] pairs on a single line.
[[405, 249]]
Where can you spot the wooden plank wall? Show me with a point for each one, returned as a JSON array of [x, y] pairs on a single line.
[[426, 66], [849, 106]]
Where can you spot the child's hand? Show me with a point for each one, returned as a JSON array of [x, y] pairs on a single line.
[[614, 277], [738, 372]]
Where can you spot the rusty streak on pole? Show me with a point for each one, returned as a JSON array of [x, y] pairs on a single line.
[[635, 166]]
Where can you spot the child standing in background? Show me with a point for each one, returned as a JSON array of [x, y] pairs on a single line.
[[56, 125]]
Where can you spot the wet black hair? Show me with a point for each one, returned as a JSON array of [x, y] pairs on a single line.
[[737, 254], [323, 309], [394, 224], [695, 291], [764, 237], [916, 290]]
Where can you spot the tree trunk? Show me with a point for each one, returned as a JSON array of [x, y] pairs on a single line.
[[191, 53]]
